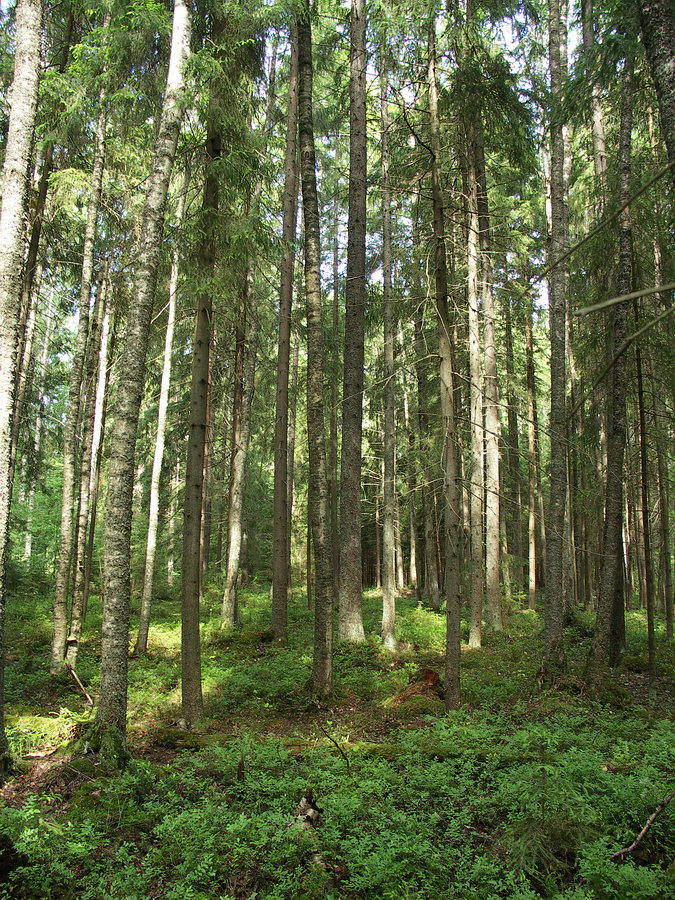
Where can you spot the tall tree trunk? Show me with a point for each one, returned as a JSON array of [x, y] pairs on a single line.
[[554, 652], [241, 423], [612, 545], [657, 21], [491, 392], [108, 733], [389, 487], [158, 456], [451, 509], [87, 441], [664, 508], [532, 463], [322, 666], [350, 626], [12, 218], [192, 703], [291, 455], [281, 537], [477, 579], [68, 498], [335, 393], [513, 503]]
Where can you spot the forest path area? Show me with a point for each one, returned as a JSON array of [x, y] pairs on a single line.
[[521, 793]]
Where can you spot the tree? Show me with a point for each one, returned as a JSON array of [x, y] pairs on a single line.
[[20, 131], [108, 733]]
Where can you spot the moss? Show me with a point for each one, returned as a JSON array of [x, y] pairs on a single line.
[[174, 738], [420, 706], [372, 751], [107, 743]]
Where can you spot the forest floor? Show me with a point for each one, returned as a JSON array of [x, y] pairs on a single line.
[[521, 793]]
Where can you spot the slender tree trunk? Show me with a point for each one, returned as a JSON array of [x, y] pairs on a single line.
[[412, 484], [657, 20], [318, 477], [532, 455], [108, 733], [20, 130], [664, 507], [87, 441], [241, 423], [281, 538], [513, 502], [491, 392], [158, 456], [477, 577], [335, 390], [612, 549], [351, 578], [291, 456], [451, 510], [554, 652], [69, 498], [192, 703], [389, 486]]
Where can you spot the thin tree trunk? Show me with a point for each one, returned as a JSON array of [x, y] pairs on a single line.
[[335, 390], [664, 507], [513, 504], [69, 498], [158, 456], [554, 652], [192, 702], [87, 441], [318, 477], [291, 456], [451, 510], [612, 559], [241, 423], [389, 484], [108, 733], [281, 537], [20, 130], [350, 626]]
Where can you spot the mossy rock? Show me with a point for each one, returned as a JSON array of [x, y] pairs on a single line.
[[635, 662], [614, 694], [419, 706], [174, 738], [371, 750]]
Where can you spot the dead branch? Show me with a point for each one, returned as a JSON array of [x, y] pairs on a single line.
[[73, 674], [648, 824]]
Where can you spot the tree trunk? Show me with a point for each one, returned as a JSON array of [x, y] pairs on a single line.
[[322, 665], [158, 456], [291, 456], [20, 130], [389, 486], [612, 547], [451, 511], [554, 652], [657, 21], [69, 499], [513, 493], [87, 440], [241, 423], [351, 579], [281, 537], [108, 733]]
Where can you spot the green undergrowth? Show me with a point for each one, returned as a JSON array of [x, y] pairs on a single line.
[[519, 794]]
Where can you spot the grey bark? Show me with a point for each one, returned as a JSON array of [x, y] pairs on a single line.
[[554, 654], [318, 476], [108, 733], [350, 588], [69, 497], [20, 131], [158, 455], [281, 537], [657, 21]]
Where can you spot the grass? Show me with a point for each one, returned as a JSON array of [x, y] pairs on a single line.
[[519, 794]]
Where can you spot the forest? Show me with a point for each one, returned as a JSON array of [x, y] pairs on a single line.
[[337, 420]]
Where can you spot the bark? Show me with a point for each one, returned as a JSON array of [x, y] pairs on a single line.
[[411, 482], [40, 432], [513, 498], [108, 733], [664, 507], [389, 486], [318, 477], [192, 703], [291, 455], [476, 485], [554, 653], [87, 441], [281, 537], [657, 21], [350, 616], [241, 423], [158, 456], [451, 507], [597, 118], [491, 393], [69, 499], [20, 130], [612, 549], [335, 391]]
